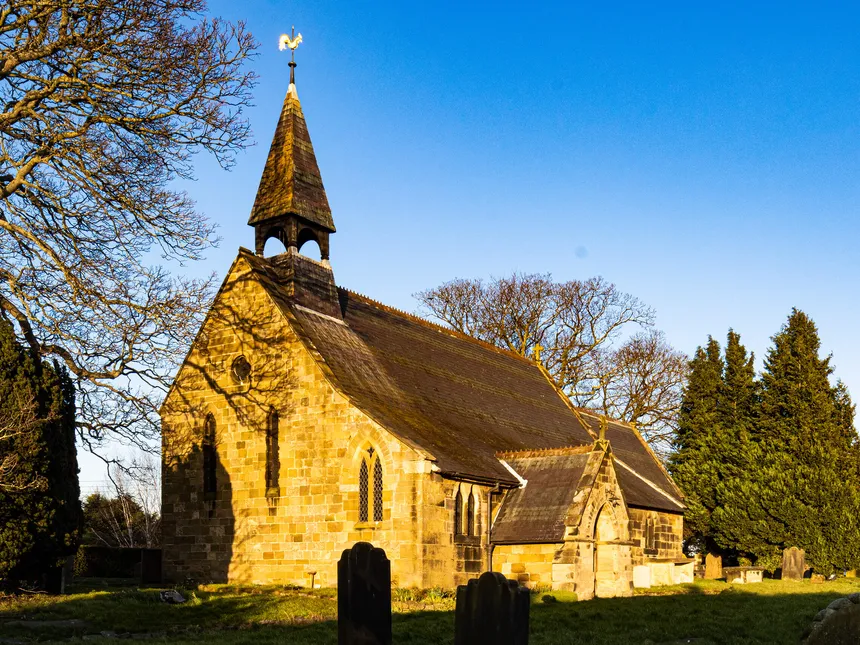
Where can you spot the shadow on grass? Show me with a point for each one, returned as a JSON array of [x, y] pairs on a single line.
[[734, 616]]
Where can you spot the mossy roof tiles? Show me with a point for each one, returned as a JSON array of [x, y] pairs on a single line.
[[456, 399]]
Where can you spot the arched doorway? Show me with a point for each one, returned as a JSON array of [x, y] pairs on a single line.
[[607, 555]]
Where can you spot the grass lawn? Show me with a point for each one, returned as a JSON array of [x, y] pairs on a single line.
[[708, 611]]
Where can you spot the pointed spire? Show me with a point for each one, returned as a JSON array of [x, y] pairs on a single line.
[[291, 183]]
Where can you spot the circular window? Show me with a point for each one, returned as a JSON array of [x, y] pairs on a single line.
[[241, 370]]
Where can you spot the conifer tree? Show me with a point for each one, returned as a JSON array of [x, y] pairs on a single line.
[[736, 453], [40, 512], [795, 492], [693, 463]]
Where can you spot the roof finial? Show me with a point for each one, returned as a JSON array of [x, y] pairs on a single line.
[[291, 42], [536, 352]]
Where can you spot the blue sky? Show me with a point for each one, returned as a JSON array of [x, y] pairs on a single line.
[[703, 158]]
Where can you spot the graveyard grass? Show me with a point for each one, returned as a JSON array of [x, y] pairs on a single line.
[[710, 611]]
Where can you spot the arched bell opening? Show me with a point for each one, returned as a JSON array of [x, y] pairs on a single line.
[[274, 246], [308, 244], [271, 240]]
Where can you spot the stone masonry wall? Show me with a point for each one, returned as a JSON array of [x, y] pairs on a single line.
[[451, 560], [668, 535], [243, 535], [529, 564]]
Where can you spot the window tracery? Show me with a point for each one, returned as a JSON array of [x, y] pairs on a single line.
[[370, 493]]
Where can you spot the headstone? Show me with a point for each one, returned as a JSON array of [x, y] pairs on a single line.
[[817, 579], [793, 563], [642, 576], [743, 575], [491, 610], [713, 567], [837, 624], [364, 596]]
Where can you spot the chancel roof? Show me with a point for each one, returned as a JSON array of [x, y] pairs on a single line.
[[456, 399]]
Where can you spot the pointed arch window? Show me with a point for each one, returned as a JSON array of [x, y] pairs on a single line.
[[370, 492], [458, 513], [273, 460], [377, 490], [470, 515], [210, 458], [363, 492], [650, 538]]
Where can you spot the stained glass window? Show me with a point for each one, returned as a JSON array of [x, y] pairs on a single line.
[[458, 514]]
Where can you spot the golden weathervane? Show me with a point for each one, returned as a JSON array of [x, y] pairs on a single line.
[[291, 42]]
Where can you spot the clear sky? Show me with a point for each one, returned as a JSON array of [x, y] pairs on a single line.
[[704, 159]]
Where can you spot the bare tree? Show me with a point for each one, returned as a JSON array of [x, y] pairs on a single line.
[[578, 326], [102, 105], [644, 385], [12, 425], [128, 513]]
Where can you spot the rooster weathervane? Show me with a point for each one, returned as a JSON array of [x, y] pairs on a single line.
[[291, 42]]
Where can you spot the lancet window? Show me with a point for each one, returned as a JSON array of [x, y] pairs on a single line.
[[273, 460], [470, 515], [370, 492], [458, 513], [210, 458]]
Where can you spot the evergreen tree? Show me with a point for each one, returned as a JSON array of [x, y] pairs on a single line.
[[694, 465], [795, 491], [736, 456], [40, 513]]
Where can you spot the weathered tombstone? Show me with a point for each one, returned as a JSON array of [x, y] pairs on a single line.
[[793, 563], [491, 610], [713, 567], [837, 624], [642, 577], [364, 596]]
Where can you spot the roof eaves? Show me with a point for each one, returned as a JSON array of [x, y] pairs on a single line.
[[649, 482]]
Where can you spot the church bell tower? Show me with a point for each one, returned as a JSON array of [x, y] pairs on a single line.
[[291, 203]]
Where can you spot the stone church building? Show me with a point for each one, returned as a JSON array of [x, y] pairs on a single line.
[[307, 417]]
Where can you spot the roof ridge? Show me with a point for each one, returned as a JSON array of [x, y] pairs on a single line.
[[632, 427], [432, 325], [546, 452], [598, 416]]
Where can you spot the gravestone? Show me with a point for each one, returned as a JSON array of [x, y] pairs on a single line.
[[837, 624], [363, 596], [642, 577], [793, 563], [713, 567], [491, 610]]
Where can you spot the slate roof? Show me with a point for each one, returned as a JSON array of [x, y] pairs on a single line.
[[537, 512], [456, 399], [628, 447], [291, 181]]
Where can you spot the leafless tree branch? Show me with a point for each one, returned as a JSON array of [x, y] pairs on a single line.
[[103, 104]]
